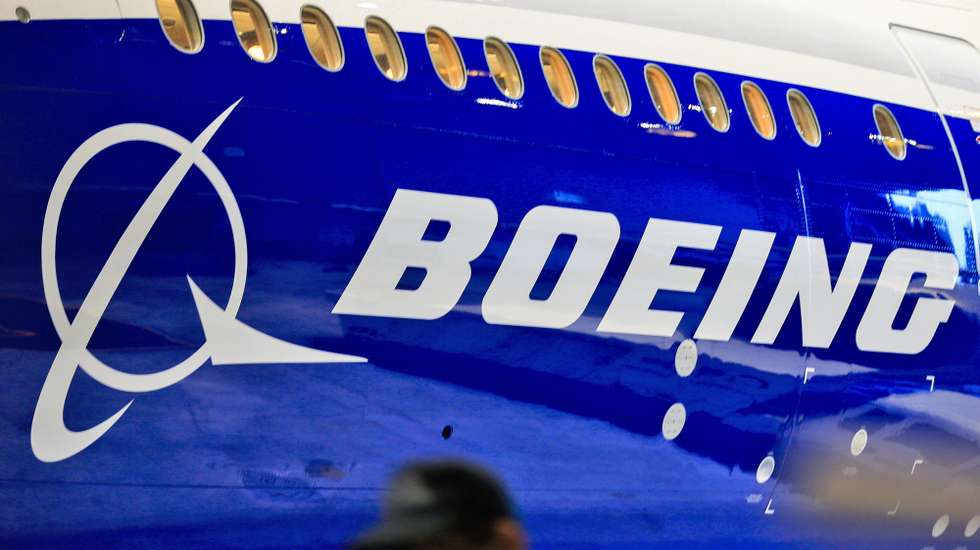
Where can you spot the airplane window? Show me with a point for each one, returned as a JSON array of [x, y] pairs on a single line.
[[386, 48], [612, 85], [504, 68], [712, 102], [759, 110], [663, 94], [253, 29], [322, 38], [804, 117], [181, 24], [561, 80], [890, 132], [446, 58]]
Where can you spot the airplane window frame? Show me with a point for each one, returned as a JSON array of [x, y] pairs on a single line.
[[748, 84], [716, 89], [795, 92], [198, 27], [262, 22], [653, 97], [620, 80], [566, 67], [900, 139], [321, 17], [509, 57], [433, 29], [391, 33]]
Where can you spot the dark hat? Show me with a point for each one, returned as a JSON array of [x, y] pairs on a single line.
[[432, 499]]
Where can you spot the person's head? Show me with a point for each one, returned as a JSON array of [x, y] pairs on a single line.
[[445, 505]]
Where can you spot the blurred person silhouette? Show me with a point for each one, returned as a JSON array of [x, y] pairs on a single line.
[[445, 505]]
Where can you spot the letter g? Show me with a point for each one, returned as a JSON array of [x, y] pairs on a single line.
[[876, 331]]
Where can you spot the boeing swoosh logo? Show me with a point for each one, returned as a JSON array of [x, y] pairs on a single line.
[[227, 340]]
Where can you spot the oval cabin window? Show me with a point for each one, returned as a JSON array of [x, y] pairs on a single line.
[[612, 85], [322, 39], [760, 113], [386, 48], [504, 68], [446, 59], [558, 74], [663, 94], [712, 102], [181, 25], [253, 30], [803, 117], [890, 132]]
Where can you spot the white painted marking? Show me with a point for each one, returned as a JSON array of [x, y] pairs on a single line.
[[916, 463], [686, 358], [932, 382], [764, 472], [508, 299], [232, 342], [51, 439], [736, 286], [876, 330], [769, 509], [806, 281], [399, 244], [972, 526], [859, 442], [807, 372], [674, 421], [651, 271], [895, 511], [940, 526]]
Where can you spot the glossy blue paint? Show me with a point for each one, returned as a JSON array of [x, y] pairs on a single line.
[[297, 456]]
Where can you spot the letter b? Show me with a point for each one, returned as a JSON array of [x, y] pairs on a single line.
[[398, 245]]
